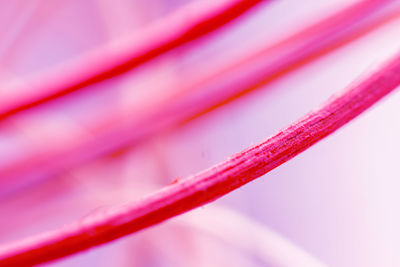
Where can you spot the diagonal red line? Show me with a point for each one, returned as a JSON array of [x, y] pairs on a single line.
[[256, 69], [212, 183]]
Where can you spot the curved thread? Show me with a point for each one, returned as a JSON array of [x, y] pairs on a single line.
[[212, 183], [215, 89]]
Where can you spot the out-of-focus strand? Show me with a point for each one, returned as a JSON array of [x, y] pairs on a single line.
[[186, 25], [268, 246]]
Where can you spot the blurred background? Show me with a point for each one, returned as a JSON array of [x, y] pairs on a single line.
[[336, 203]]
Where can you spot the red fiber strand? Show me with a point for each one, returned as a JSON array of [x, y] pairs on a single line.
[[212, 183], [256, 69], [191, 23]]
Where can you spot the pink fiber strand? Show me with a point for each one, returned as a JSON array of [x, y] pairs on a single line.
[[212, 183], [199, 95]]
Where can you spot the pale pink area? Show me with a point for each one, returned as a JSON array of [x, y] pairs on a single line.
[[336, 203]]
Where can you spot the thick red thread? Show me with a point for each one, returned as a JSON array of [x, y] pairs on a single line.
[[212, 183], [265, 64]]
